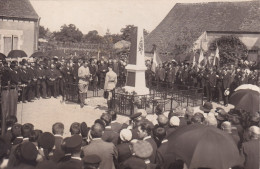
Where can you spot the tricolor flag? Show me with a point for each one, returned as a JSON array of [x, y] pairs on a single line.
[[216, 58], [201, 58], [156, 60]]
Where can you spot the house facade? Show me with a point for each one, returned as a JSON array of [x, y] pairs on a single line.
[[19, 26]]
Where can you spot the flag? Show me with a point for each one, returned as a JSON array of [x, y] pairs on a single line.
[[194, 61], [216, 58], [156, 61], [201, 58]]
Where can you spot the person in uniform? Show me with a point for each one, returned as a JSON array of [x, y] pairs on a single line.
[[110, 85], [13, 92], [211, 84], [102, 73], [226, 86], [25, 81], [51, 81], [93, 71], [170, 76], [84, 77]]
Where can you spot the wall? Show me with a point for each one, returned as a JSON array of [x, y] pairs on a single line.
[[26, 32]]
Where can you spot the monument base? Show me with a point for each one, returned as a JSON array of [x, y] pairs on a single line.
[[138, 90]]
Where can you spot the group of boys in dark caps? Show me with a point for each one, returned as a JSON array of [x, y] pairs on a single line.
[[136, 144]]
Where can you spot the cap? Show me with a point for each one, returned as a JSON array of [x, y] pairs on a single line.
[[73, 144], [92, 159], [162, 119], [174, 121], [125, 135], [134, 116], [46, 140], [28, 151], [142, 149], [207, 106]]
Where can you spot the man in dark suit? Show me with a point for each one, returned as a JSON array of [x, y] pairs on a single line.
[[106, 151], [226, 86], [51, 81], [73, 145], [109, 135], [58, 130], [250, 149], [211, 84], [170, 76], [144, 132]]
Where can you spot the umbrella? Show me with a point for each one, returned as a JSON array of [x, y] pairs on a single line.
[[203, 146], [248, 86], [246, 99], [2, 56], [38, 55], [17, 54]]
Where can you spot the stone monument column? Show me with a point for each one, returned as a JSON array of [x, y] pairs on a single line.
[[136, 66]]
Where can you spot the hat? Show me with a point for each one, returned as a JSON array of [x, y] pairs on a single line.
[[28, 151], [255, 130], [135, 115], [162, 119], [227, 92], [84, 129], [75, 128], [142, 149], [125, 135], [92, 159], [46, 140], [46, 164], [99, 121], [174, 121], [207, 106], [221, 114], [143, 111], [73, 143]]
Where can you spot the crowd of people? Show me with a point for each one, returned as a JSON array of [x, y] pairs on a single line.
[[45, 78], [218, 83], [136, 144]]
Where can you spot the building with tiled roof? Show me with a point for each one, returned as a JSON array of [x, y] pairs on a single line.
[[19, 25], [200, 23]]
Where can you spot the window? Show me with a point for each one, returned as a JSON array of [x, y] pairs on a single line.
[[10, 43]]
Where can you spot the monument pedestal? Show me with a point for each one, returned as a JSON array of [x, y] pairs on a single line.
[[136, 67], [136, 79]]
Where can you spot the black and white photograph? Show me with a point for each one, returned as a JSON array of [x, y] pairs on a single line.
[[130, 84]]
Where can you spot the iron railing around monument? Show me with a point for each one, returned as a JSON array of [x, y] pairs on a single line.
[[125, 104]]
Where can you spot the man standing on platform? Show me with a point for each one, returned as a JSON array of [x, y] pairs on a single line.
[[84, 77], [110, 85]]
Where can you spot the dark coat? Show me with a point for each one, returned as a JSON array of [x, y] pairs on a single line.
[[58, 142], [226, 81], [106, 151], [110, 136], [250, 152], [124, 152], [154, 145]]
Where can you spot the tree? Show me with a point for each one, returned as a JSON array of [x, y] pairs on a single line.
[[127, 32], [231, 49], [68, 33], [93, 37]]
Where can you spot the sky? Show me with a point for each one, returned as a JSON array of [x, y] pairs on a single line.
[[102, 15]]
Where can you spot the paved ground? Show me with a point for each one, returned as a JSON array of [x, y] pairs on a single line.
[[45, 112]]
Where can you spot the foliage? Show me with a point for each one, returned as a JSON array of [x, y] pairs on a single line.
[[231, 49], [68, 33], [127, 32], [45, 33]]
